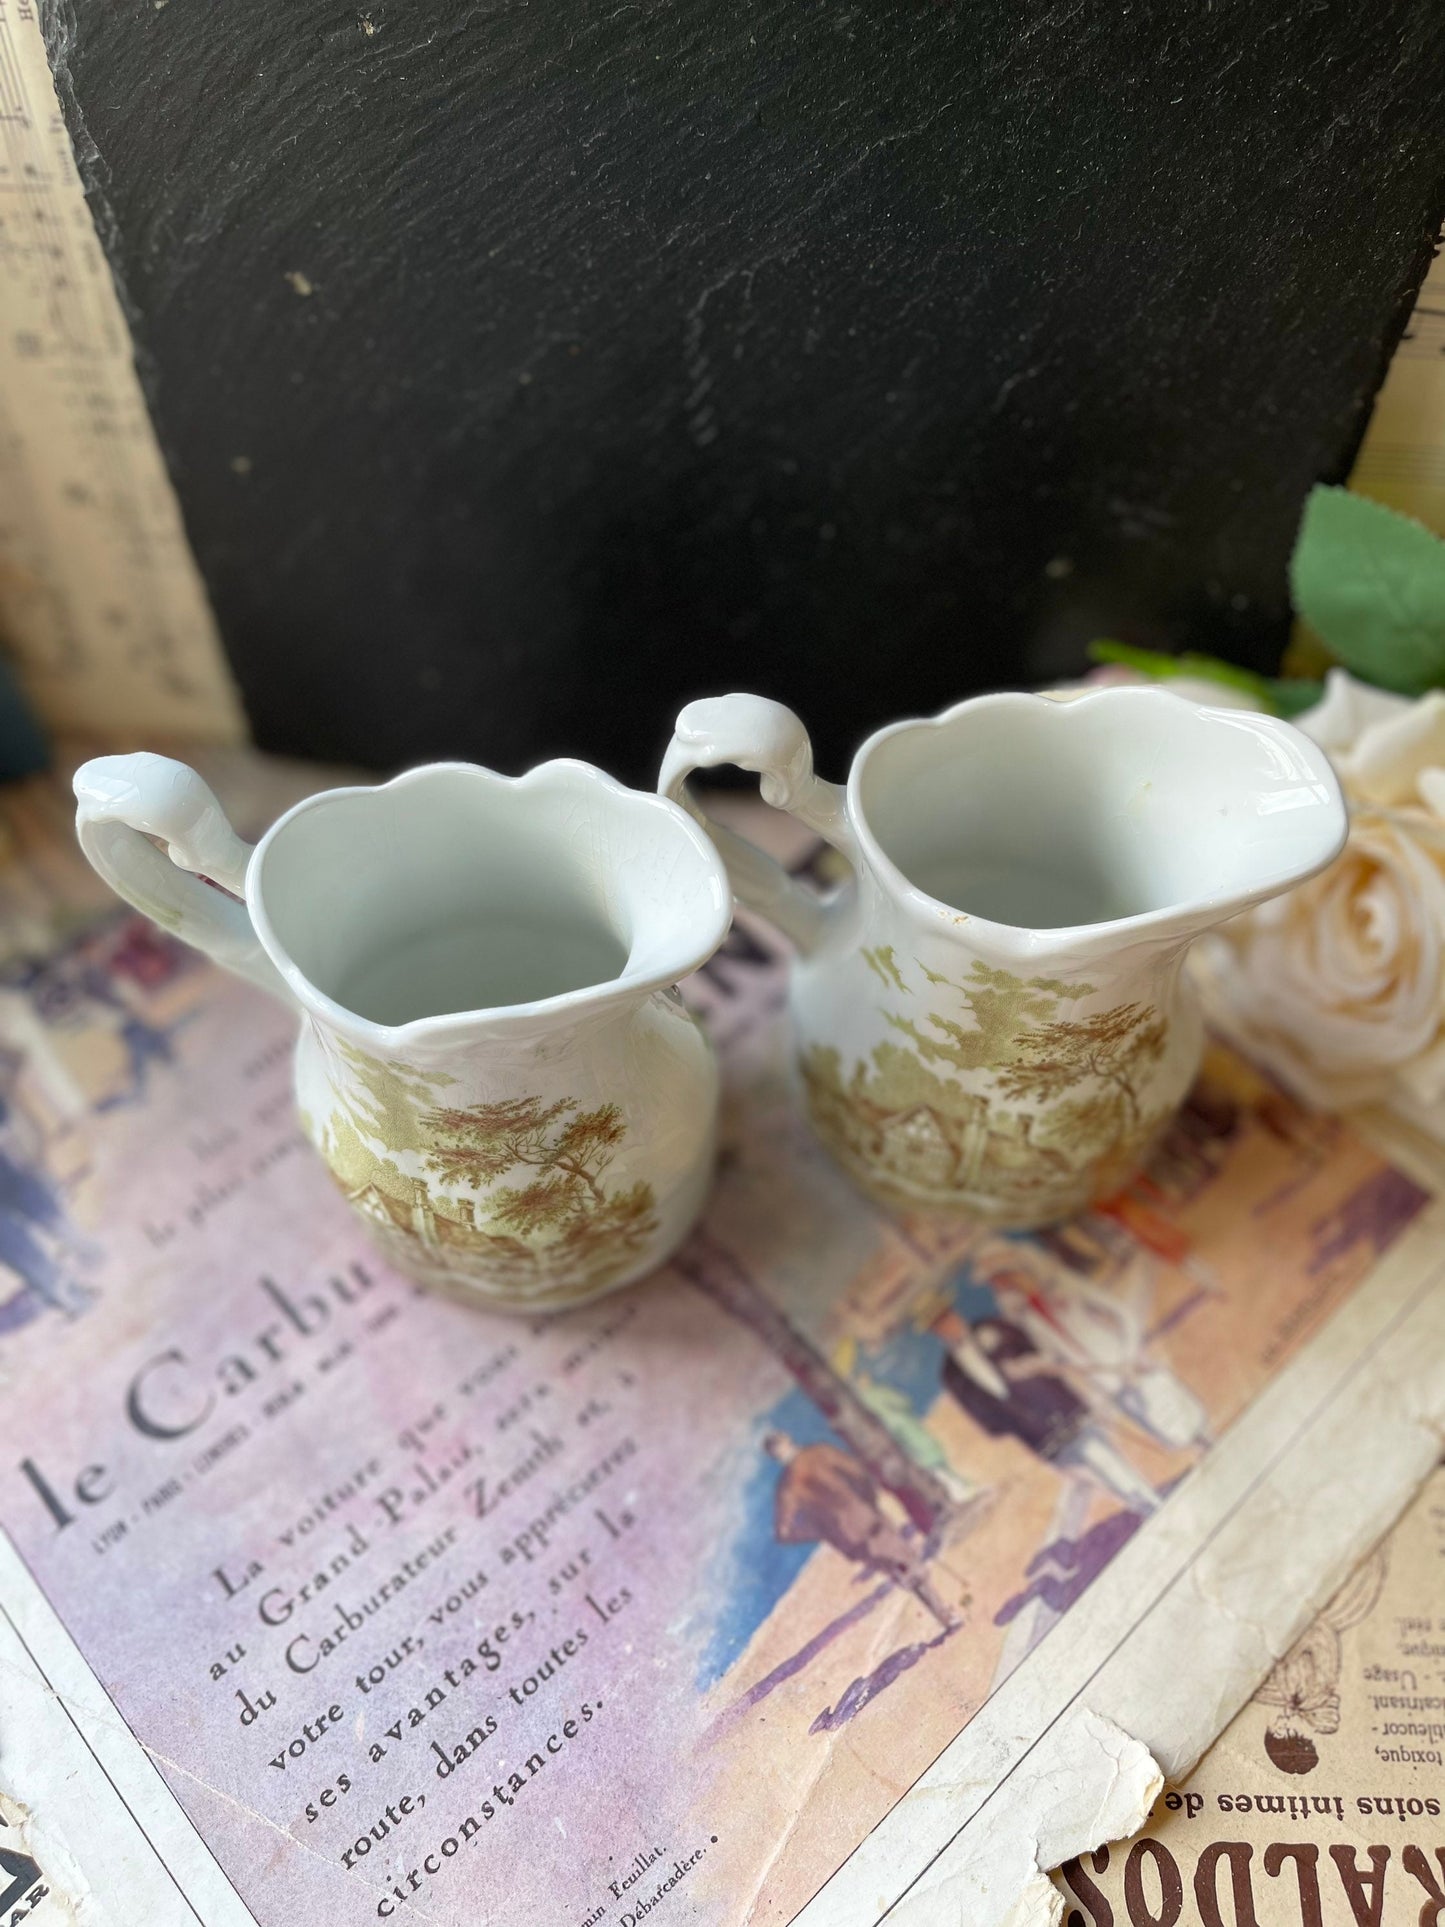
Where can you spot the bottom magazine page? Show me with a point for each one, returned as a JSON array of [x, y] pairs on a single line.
[[738, 1597], [1324, 1800]]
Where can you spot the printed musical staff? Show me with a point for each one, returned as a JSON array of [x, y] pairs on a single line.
[[101, 604]]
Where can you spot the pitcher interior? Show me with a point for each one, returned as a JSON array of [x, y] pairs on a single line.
[[459, 891], [516, 948], [1049, 815]]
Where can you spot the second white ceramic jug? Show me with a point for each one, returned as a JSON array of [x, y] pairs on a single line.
[[990, 1014]]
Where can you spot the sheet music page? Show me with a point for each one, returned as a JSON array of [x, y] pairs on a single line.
[[101, 604], [1402, 458], [327, 1600]]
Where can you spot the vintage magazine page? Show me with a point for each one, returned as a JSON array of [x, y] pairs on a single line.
[[735, 1598], [1322, 1800]]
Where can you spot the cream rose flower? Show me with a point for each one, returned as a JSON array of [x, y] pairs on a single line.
[[1339, 986]]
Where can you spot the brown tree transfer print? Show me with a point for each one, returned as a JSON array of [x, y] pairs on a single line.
[[403, 1159], [1049, 1112], [565, 1208]]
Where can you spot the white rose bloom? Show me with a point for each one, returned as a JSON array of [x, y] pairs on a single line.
[[1339, 986]]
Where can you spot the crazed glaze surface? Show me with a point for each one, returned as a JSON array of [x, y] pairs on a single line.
[[955, 1061]]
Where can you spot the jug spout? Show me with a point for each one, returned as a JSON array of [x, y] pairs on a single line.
[[1245, 806], [1040, 829]]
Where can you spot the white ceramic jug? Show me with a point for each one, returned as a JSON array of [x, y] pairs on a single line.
[[494, 1061], [990, 1016]]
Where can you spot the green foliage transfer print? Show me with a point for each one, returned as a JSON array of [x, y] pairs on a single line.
[[1046, 1116], [430, 1173], [883, 962]]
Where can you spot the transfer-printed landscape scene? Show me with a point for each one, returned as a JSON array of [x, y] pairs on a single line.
[[992, 1092], [650, 1611], [519, 1183]]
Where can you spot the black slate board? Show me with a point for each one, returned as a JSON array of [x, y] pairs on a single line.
[[864, 352]]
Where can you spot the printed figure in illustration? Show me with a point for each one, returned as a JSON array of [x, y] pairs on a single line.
[[38, 1243], [824, 1495], [1303, 1690], [1100, 1336], [1009, 1390], [99, 1001], [1063, 1340], [102, 999]]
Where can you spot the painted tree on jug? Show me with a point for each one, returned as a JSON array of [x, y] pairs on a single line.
[[1048, 1103]]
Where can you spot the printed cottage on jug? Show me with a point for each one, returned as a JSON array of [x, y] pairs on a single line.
[[1060, 1119]]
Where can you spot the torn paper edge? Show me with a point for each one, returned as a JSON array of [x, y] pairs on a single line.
[[111, 1841], [52, 1891], [1131, 1687]]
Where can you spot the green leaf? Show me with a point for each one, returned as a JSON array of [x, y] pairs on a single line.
[[1278, 695], [1371, 584], [1293, 695], [1214, 669], [1161, 667], [1147, 662]]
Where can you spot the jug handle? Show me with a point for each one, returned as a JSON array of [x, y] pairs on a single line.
[[757, 734], [123, 802]]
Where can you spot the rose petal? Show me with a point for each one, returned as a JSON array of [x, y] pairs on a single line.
[[1430, 787], [1340, 988], [1346, 709], [1424, 1079], [1390, 755]]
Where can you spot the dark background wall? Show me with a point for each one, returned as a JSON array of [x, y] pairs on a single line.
[[527, 366]]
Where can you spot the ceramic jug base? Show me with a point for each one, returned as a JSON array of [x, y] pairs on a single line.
[[465, 1289], [1032, 1207], [539, 1297], [965, 1207]]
